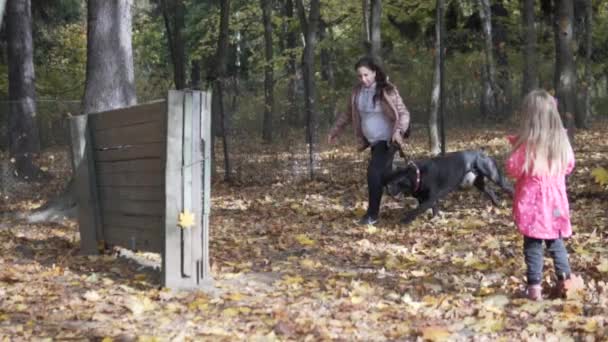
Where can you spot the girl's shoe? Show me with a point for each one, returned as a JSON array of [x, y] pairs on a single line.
[[534, 292]]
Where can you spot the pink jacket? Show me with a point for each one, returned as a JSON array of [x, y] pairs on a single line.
[[540, 204], [392, 106]]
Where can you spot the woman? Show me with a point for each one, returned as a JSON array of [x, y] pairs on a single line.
[[380, 120]]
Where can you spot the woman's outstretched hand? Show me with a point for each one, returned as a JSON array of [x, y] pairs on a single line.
[[397, 138]]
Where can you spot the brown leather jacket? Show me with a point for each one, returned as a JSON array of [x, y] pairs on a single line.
[[392, 106]]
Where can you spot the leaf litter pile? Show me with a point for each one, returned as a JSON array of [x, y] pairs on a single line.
[[290, 263]]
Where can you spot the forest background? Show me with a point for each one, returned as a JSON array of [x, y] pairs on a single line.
[[288, 261]]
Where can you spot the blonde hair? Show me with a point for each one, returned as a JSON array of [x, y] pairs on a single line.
[[543, 135]]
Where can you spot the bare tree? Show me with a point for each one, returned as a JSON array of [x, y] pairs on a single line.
[[268, 71], [110, 81], [375, 29], [366, 25], [24, 140], [2, 7], [434, 142], [530, 75], [310, 27], [585, 112], [218, 74], [565, 69], [328, 71], [173, 15], [490, 90], [290, 36]]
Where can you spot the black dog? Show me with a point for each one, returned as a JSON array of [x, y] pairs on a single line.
[[431, 179]]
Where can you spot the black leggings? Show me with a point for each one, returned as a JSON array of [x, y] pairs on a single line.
[[378, 168]]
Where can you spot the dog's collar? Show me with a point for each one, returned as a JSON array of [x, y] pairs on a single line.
[[417, 186]]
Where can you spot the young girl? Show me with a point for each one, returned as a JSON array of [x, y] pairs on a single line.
[[540, 160]]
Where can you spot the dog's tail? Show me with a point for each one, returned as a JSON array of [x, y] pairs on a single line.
[[490, 169]]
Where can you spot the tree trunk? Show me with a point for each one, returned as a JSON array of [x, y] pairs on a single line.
[[434, 143], [365, 31], [565, 69], [309, 29], [328, 73], [293, 112], [24, 139], [268, 71], [585, 113], [195, 74], [490, 91], [2, 7], [110, 82], [499, 41], [530, 76], [221, 61], [173, 15], [375, 29]]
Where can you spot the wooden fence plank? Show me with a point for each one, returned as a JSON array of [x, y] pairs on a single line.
[[89, 216], [131, 179], [154, 150], [153, 111], [143, 133], [187, 170], [135, 239], [149, 193], [137, 165], [128, 207], [196, 195], [152, 223], [206, 180], [173, 191]]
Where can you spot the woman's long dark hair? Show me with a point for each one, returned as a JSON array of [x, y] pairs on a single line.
[[382, 84]]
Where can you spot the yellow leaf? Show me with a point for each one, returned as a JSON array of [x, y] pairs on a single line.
[[304, 240], [435, 333], [230, 312], [603, 266], [601, 175], [360, 211], [245, 310], [92, 296], [356, 299], [371, 229], [186, 219], [573, 309], [293, 280], [140, 277], [418, 273], [139, 305], [107, 339], [236, 296], [591, 326], [575, 287], [308, 263]]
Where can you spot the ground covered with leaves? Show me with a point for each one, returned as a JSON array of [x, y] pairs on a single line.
[[290, 263]]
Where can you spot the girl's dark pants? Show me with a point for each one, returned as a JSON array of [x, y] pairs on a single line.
[[378, 168], [533, 252]]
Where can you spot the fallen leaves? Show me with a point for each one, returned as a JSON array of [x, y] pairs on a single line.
[[289, 263]]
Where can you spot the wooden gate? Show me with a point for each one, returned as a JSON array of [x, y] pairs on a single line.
[[137, 169]]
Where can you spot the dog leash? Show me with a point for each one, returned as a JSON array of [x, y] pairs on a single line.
[[417, 187], [410, 162]]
